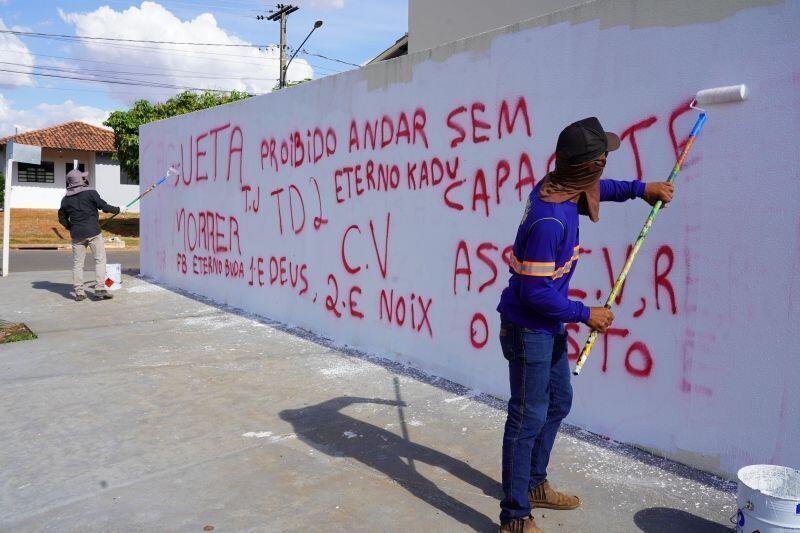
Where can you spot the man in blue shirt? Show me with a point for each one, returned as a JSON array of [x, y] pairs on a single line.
[[535, 306]]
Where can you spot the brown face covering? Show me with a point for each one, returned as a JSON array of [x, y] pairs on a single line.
[[581, 181]]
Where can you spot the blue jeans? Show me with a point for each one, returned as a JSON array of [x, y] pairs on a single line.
[[541, 396]]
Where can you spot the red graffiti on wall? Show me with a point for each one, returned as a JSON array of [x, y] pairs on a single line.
[[295, 207]]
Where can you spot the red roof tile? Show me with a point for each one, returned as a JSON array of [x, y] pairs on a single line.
[[70, 135]]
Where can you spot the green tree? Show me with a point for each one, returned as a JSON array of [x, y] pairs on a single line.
[[290, 84], [126, 123]]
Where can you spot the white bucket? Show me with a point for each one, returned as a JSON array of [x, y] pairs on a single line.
[[113, 276], [768, 499]]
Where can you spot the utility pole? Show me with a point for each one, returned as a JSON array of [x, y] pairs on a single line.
[[284, 10]]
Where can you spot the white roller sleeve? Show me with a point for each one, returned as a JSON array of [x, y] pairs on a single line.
[[721, 95]]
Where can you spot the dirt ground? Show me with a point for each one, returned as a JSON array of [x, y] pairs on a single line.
[[40, 226]]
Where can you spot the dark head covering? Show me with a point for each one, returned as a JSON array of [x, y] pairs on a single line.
[[76, 182], [580, 159]]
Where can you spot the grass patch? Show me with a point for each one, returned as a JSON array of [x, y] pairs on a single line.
[[40, 226], [15, 332]]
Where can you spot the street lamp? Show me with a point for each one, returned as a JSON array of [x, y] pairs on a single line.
[[317, 24]]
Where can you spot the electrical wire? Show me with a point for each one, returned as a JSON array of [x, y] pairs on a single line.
[[107, 72], [60, 36], [115, 42], [119, 81], [188, 53], [168, 70], [306, 52]]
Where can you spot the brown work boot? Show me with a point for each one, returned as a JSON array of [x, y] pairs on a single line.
[[545, 497], [520, 525]]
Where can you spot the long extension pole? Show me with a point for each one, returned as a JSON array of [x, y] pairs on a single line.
[[171, 171], [587, 347]]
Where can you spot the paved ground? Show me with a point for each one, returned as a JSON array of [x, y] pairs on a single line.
[[160, 412], [40, 260]]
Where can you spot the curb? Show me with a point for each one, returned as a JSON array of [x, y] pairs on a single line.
[[108, 246]]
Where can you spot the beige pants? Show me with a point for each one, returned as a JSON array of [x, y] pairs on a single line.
[[78, 257]]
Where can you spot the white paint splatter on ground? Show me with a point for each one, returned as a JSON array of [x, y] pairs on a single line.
[[471, 395], [257, 434], [350, 434], [268, 435], [143, 288], [210, 322], [338, 367], [415, 423]]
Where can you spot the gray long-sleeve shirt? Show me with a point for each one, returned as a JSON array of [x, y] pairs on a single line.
[[79, 215]]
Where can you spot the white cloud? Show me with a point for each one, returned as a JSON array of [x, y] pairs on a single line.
[[14, 51], [325, 4], [241, 68], [43, 115]]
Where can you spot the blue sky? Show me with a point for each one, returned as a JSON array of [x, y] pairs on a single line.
[[353, 31]]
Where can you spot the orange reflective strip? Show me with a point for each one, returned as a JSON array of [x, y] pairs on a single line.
[[541, 269], [567, 267], [531, 268]]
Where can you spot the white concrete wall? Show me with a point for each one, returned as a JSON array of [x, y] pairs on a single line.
[[432, 23], [107, 175], [702, 362]]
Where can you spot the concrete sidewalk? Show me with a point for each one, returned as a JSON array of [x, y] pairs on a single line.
[[160, 412]]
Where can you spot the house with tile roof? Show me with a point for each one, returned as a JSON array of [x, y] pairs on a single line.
[[42, 186]]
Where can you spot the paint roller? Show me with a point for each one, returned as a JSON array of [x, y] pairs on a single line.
[[170, 172], [715, 96]]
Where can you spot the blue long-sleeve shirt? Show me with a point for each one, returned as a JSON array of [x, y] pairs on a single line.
[[544, 258]]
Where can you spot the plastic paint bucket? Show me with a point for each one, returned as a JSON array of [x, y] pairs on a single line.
[[768, 499], [113, 276]]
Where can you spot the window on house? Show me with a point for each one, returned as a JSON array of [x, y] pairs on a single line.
[[42, 173], [124, 179], [71, 165]]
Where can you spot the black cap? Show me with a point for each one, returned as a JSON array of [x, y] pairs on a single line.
[[585, 140]]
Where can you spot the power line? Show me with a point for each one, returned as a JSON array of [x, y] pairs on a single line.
[[164, 92], [117, 39], [115, 42], [181, 52], [224, 9], [106, 72], [305, 52], [118, 81], [169, 70]]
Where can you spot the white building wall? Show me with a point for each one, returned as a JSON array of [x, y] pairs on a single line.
[[702, 362], [49, 195], [104, 176], [107, 174]]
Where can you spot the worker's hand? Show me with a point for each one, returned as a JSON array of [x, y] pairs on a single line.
[[123, 210], [655, 191], [600, 318]]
